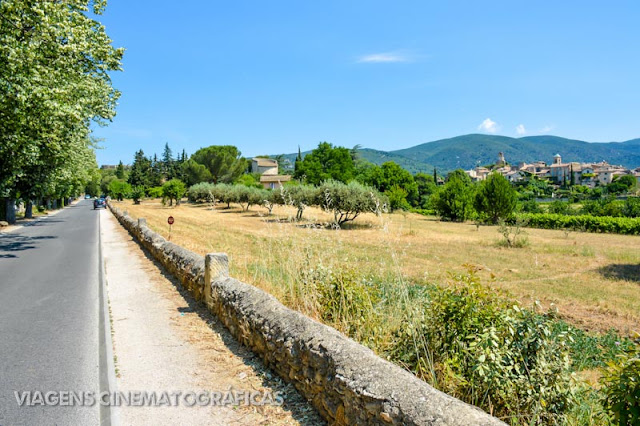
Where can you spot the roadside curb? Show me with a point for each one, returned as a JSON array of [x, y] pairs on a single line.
[[109, 415]]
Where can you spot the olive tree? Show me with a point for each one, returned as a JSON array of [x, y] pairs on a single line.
[[348, 201]]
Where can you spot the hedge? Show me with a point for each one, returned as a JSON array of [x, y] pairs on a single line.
[[588, 223]]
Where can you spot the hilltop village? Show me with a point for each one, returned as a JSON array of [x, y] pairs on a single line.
[[587, 174]]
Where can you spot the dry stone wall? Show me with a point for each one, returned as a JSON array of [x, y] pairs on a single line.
[[345, 381]]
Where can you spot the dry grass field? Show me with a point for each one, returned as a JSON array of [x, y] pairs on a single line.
[[593, 279]]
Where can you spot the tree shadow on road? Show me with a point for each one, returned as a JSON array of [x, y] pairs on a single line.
[[15, 243]]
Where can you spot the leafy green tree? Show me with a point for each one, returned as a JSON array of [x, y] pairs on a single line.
[[455, 201], [55, 61], [194, 172], [249, 179], [495, 198], [622, 184], [224, 162], [426, 188], [173, 190], [119, 189], [324, 163], [391, 177]]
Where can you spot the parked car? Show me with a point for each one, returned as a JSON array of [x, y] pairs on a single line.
[[99, 202]]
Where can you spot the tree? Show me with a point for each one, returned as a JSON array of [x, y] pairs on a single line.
[[426, 188], [137, 194], [324, 163], [495, 199], [299, 196], [140, 171], [55, 62], [173, 190], [168, 163], [193, 172], [348, 201], [120, 170], [391, 177], [223, 162], [622, 184], [119, 189], [455, 201]]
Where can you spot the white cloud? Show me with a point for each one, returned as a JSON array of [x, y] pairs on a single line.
[[520, 129], [546, 129], [488, 126], [384, 58]]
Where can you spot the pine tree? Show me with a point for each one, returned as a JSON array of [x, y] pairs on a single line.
[[435, 175], [120, 171]]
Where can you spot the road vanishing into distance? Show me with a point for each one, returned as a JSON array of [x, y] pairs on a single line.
[[49, 316]]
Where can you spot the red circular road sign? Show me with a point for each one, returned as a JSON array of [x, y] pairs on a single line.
[[170, 220]]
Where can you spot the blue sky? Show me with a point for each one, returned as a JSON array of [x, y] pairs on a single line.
[[269, 76]]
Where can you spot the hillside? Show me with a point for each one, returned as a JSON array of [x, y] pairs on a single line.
[[469, 151]]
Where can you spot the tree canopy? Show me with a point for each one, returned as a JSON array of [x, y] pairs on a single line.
[[55, 62], [324, 163], [224, 162]]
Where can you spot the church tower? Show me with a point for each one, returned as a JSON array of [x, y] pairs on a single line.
[[557, 159]]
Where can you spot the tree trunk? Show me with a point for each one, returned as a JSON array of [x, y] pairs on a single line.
[[28, 211], [10, 204]]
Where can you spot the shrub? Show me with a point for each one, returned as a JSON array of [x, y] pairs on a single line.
[[513, 236], [559, 207], [299, 196], [397, 199], [531, 206], [480, 346], [622, 387]]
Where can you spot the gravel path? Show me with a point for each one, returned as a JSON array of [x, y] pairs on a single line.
[[166, 342]]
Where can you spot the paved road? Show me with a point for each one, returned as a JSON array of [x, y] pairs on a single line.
[[49, 294]]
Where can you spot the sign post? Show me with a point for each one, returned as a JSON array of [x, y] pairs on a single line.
[[170, 222]]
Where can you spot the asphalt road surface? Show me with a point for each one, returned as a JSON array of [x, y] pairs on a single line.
[[49, 317]]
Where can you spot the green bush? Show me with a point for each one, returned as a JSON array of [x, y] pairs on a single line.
[[479, 346], [155, 192], [201, 192], [621, 387]]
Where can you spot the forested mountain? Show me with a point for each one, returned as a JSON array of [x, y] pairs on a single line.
[[468, 151]]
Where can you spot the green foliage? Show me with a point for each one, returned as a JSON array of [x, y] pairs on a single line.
[[621, 387], [631, 207], [560, 207], [155, 192], [394, 181], [201, 192], [479, 346], [455, 201], [426, 188], [173, 190], [54, 80], [397, 198], [249, 180], [348, 201], [324, 163], [224, 162], [140, 174], [622, 184], [531, 206], [614, 225], [194, 172], [495, 198], [119, 189], [299, 196], [137, 193]]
